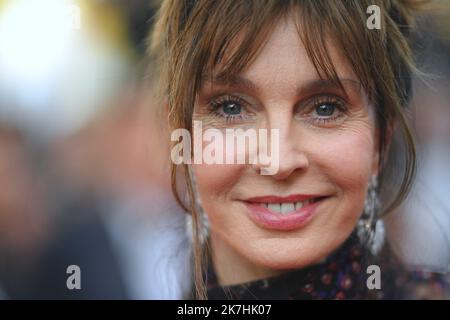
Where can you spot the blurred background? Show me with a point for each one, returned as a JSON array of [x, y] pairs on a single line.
[[84, 174]]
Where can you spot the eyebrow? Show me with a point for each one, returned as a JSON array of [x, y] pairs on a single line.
[[234, 81], [311, 86]]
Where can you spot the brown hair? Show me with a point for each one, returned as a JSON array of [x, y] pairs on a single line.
[[190, 38]]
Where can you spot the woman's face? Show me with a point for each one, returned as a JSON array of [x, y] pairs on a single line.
[[327, 152]]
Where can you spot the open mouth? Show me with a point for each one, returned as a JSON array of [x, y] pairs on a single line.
[[285, 208], [283, 213]]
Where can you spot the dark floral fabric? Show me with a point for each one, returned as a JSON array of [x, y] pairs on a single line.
[[343, 275]]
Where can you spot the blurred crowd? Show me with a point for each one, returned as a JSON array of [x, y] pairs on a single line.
[[84, 167]]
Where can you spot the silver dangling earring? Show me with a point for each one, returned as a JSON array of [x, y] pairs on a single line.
[[204, 233], [370, 229]]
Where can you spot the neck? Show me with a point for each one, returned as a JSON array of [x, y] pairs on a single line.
[[232, 268]]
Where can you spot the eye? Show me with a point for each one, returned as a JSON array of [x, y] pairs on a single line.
[[325, 109], [231, 108]]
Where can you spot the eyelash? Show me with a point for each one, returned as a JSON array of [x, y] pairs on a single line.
[[338, 103], [216, 104]]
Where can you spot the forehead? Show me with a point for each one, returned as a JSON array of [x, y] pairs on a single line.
[[284, 57], [283, 65]]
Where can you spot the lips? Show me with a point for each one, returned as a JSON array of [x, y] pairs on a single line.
[[283, 213]]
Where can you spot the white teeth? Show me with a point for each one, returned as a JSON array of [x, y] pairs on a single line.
[[287, 207], [274, 207]]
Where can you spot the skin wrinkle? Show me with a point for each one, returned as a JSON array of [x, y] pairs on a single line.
[[336, 160], [191, 39]]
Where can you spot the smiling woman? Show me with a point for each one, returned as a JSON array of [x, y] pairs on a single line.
[[337, 93]]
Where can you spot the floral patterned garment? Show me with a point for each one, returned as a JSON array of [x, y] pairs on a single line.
[[343, 275]]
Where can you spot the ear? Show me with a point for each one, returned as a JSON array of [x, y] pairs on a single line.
[[378, 162]]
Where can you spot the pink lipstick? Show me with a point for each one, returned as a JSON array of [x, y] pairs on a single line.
[[283, 213]]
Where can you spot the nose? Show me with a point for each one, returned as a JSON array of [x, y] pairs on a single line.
[[291, 158], [291, 154]]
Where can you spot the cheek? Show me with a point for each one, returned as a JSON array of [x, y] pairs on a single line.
[[351, 156], [346, 159], [214, 182]]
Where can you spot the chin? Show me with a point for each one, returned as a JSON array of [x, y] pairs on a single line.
[[291, 257], [296, 252]]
